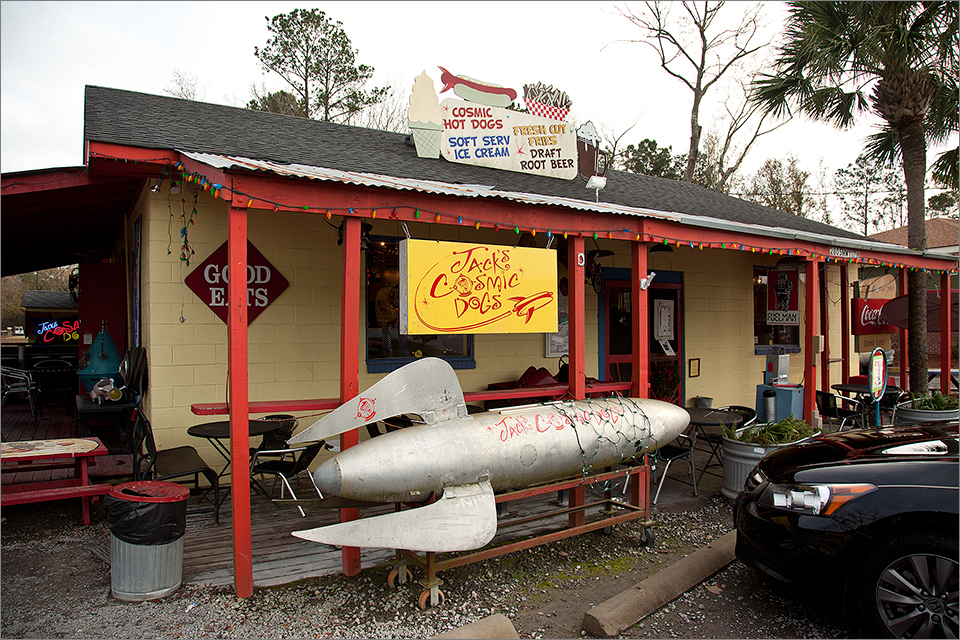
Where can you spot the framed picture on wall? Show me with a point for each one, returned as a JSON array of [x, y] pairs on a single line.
[[558, 344]]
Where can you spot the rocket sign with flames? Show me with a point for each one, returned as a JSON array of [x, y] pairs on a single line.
[[479, 129], [456, 287]]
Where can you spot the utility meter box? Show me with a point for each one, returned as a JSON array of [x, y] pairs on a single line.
[[778, 369]]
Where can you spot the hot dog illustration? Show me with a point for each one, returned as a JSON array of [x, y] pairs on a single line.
[[475, 91]]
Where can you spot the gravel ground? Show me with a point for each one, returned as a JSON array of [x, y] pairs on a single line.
[[54, 587]]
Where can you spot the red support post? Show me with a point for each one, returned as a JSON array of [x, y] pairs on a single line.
[[825, 331], [845, 323], [576, 261], [350, 357], [904, 338], [237, 365], [946, 303], [812, 292], [641, 322]]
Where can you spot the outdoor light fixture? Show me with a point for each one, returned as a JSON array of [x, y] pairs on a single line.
[[660, 248], [156, 188], [174, 187]]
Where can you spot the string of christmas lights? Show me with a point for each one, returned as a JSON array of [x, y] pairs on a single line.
[[219, 190]]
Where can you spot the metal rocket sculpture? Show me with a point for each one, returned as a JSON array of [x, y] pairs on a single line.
[[461, 460]]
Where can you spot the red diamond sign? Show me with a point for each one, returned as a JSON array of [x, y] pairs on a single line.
[[264, 282]]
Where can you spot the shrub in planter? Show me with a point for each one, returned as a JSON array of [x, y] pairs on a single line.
[[783, 432], [927, 408], [743, 448]]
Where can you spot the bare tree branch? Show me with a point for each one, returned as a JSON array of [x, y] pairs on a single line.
[[691, 50]]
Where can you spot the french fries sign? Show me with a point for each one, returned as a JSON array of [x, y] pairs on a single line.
[[456, 287]]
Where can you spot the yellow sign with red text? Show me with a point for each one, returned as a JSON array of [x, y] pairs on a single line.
[[457, 287]]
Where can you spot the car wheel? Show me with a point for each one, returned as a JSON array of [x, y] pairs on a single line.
[[909, 588]]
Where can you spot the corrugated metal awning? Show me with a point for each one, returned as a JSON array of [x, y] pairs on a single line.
[[224, 162]]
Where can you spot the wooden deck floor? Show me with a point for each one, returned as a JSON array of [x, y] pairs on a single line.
[[278, 557]]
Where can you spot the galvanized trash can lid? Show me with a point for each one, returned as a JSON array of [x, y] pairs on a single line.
[[150, 491]]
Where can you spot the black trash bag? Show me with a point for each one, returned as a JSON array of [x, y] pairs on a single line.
[[145, 523]]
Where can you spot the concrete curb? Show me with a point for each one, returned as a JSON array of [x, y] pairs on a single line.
[[495, 626], [622, 611]]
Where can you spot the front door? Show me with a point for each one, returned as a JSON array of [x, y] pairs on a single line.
[[666, 338]]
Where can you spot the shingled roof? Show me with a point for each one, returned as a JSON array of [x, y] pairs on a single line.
[[941, 233], [143, 120], [34, 299]]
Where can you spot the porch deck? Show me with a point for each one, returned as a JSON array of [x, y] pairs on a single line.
[[278, 557]]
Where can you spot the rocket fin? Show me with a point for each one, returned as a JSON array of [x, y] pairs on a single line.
[[427, 387], [464, 518]]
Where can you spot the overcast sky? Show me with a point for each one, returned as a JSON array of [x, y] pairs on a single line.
[[51, 50]]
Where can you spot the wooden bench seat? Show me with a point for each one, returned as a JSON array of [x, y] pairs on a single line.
[[56, 493]]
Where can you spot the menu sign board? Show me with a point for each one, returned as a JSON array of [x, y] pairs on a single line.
[[503, 139], [458, 287], [210, 280]]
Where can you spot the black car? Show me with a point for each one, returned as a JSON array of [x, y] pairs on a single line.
[[866, 520]]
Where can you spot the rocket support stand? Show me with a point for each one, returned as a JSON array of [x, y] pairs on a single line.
[[637, 507]]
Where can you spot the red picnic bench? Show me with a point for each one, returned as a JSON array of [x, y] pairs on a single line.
[[43, 455]]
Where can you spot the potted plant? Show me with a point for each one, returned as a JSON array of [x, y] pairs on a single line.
[[927, 408], [743, 448]]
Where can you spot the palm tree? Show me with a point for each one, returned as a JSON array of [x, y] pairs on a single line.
[[897, 60]]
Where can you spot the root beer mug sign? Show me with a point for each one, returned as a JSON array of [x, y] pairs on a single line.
[[264, 283], [458, 287]]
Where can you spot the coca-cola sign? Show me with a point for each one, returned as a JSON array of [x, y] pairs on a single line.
[[866, 317]]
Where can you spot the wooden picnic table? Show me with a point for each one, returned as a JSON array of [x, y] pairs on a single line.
[[44, 455]]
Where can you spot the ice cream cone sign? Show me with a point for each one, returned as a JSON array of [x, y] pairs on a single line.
[[425, 117]]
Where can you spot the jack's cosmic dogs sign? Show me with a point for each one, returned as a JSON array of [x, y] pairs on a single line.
[[504, 139], [457, 287]]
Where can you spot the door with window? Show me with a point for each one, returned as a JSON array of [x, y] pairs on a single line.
[[666, 337]]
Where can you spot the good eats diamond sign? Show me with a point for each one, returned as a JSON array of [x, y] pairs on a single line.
[[264, 283]]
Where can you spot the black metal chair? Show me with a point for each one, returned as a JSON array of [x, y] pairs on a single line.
[[57, 381], [714, 441], [284, 469], [17, 381], [276, 440], [829, 407], [149, 463], [679, 449]]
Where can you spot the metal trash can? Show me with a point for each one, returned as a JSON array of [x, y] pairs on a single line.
[[147, 520]]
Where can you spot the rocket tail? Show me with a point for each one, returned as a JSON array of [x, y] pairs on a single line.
[[464, 518], [427, 387]]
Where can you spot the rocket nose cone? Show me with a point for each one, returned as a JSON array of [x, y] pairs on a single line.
[[329, 479], [675, 419]]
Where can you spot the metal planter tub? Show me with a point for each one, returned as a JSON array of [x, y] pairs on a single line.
[[905, 414], [739, 459]]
